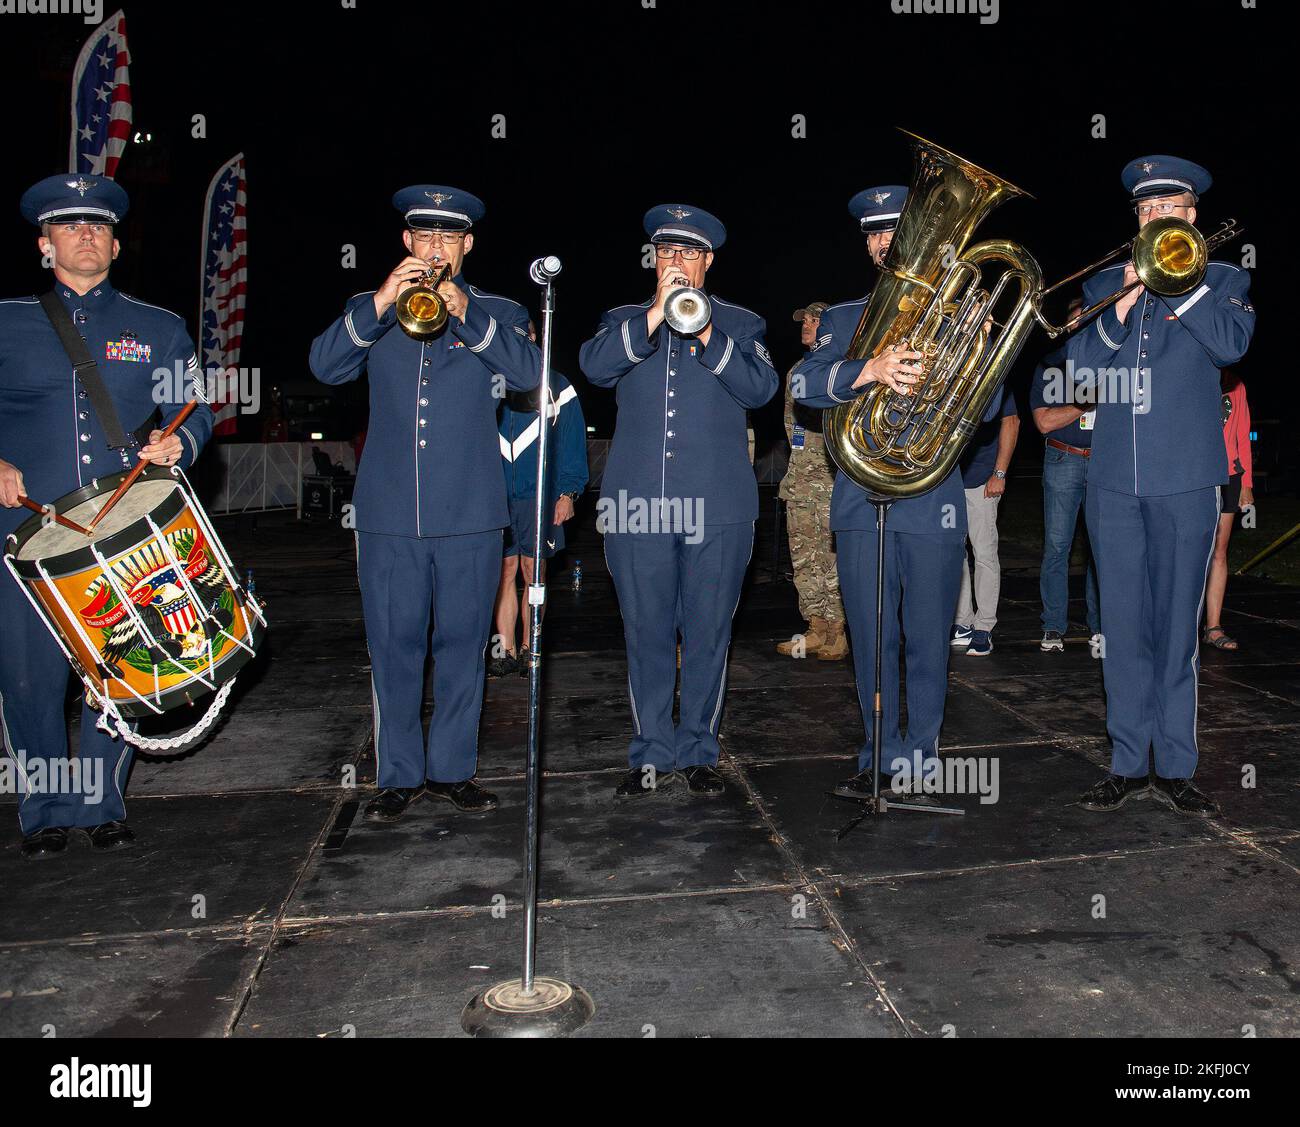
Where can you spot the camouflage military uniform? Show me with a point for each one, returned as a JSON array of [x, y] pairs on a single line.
[[806, 489]]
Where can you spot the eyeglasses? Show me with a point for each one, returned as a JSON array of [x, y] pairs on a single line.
[[689, 254], [1165, 208], [442, 238]]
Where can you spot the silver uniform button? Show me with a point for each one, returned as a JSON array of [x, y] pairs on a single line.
[[86, 458], [424, 403], [672, 434], [672, 371], [82, 415], [423, 444], [423, 423], [85, 438], [669, 454], [672, 414]]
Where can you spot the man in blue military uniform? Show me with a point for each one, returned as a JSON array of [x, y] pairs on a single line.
[[924, 537], [52, 441], [1153, 492], [430, 498], [1063, 412], [566, 477], [679, 498]]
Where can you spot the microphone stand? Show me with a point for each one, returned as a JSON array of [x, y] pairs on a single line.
[[875, 804], [532, 1006]]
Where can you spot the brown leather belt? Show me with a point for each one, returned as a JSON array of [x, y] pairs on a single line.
[[1082, 451]]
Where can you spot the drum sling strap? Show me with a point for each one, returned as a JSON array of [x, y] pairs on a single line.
[[87, 371]]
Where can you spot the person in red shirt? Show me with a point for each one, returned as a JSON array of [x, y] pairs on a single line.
[[1237, 494]]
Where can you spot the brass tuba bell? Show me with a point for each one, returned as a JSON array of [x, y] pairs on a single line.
[[420, 309]]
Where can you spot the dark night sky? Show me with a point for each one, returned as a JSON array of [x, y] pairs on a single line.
[[611, 108]]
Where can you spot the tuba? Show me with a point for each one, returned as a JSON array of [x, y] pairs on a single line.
[[930, 298]]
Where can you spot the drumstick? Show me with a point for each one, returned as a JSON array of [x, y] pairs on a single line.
[[28, 503], [138, 468]]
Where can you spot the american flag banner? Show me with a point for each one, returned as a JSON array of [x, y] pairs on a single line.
[[101, 101], [225, 285]]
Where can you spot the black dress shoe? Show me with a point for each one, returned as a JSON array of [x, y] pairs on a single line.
[[859, 787], [703, 781], [391, 803], [1183, 796], [468, 796], [1113, 791], [111, 835], [45, 842], [639, 782]]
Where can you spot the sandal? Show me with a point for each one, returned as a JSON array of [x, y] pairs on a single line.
[[1217, 637]]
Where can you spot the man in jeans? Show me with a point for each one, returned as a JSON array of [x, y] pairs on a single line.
[[984, 477], [1067, 426]]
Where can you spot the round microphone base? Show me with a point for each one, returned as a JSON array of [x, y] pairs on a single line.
[[553, 1009]]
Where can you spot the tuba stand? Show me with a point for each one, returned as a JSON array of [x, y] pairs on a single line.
[[531, 1006], [875, 804]]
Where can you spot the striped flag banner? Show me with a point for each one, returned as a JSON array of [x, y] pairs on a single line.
[[224, 288], [101, 101]]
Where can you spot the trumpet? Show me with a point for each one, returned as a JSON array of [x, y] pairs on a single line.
[[687, 310], [1169, 256], [420, 309]]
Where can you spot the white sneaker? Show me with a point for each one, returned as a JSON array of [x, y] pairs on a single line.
[[1052, 643]]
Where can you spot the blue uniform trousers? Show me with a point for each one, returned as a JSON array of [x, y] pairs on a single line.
[[1065, 480], [922, 574], [1153, 556], [405, 581], [664, 585], [33, 687]]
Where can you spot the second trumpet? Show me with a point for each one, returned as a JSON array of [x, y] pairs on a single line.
[[687, 310]]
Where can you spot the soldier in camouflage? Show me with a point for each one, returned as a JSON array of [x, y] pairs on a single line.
[[806, 490]]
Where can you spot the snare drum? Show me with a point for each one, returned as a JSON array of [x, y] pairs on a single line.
[[149, 611]]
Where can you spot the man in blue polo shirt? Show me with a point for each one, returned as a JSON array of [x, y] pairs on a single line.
[[1064, 415], [984, 478]]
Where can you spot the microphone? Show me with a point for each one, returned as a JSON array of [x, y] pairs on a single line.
[[544, 269]]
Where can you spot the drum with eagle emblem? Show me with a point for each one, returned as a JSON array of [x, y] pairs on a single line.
[[149, 611]]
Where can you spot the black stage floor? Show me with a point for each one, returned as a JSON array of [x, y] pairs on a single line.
[[258, 905]]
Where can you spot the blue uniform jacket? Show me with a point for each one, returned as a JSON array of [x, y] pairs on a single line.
[[48, 428], [566, 456], [433, 463], [824, 378], [1165, 436], [682, 430]]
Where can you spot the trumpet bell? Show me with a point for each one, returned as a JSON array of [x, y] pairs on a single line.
[[421, 312], [687, 311], [1170, 256]]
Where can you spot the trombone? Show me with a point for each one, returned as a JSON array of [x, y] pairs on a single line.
[[420, 308], [1169, 256]]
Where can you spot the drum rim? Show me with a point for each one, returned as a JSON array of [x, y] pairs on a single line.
[[80, 559]]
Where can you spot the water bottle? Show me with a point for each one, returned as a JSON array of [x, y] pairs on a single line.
[[577, 575]]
